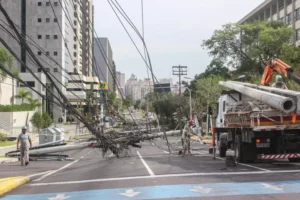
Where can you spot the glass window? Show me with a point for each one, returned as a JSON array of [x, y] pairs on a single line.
[[55, 3], [75, 54], [47, 53], [75, 46], [39, 19], [55, 53], [47, 19], [55, 20], [47, 36], [47, 3], [297, 34], [39, 3], [55, 70], [39, 36], [297, 14], [289, 19], [48, 69], [39, 53], [39, 69], [55, 37], [31, 83]]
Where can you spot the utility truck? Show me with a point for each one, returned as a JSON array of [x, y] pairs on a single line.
[[259, 121]]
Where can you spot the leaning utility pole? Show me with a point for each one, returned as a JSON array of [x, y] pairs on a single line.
[[180, 71]]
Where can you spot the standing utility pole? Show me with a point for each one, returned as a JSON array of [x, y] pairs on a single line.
[[179, 71]]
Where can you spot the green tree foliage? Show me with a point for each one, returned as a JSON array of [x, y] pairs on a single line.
[[245, 48], [6, 61], [128, 102], [34, 103], [23, 95], [16, 108], [40, 121]]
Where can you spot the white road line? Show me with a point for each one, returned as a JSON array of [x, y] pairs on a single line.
[[152, 144], [166, 152], [262, 169], [81, 157], [145, 164], [111, 155], [165, 176], [38, 174], [54, 171]]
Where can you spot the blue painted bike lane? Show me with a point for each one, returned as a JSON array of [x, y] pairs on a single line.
[[172, 191]]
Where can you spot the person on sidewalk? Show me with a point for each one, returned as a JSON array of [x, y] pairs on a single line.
[[25, 140]]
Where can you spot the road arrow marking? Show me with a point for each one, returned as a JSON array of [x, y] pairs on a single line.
[[129, 193], [59, 197], [201, 189], [273, 187]]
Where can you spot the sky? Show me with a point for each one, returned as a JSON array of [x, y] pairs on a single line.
[[174, 32]]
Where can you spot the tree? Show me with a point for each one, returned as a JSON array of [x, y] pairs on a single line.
[[34, 103], [245, 48], [47, 121], [23, 95], [40, 121], [37, 121], [6, 61], [128, 102]]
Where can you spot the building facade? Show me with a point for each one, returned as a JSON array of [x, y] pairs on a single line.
[[138, 89], [121, 83], [54, 32], [104, 66], [287, 11]]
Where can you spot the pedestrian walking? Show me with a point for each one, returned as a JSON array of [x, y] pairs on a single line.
[[25, 141]]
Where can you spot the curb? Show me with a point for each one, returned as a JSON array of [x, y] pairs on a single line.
[[8, 184]]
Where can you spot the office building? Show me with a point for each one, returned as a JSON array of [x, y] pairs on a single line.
[[104, 66], [287, 11], [121, 83]]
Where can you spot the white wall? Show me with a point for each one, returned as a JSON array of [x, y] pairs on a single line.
[[7, 90]]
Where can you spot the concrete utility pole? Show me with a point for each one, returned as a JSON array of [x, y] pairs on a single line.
[[180, 71]]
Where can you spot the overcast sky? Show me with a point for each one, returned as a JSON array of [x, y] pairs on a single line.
[[174, 31]]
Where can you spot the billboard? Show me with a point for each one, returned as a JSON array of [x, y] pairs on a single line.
[[162, 87], [103, 87]]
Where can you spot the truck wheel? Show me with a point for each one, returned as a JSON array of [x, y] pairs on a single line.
[[238, 151], [294, 159], [222, 150]]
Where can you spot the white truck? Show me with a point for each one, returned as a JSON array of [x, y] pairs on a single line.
[[258, 122]]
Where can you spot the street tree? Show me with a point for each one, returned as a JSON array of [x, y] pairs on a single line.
[[23, 95], [41, 120], [34, 103]]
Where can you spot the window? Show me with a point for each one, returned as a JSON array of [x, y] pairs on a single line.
[[39, 53], [47, 36], [39, 36], [31, 83], [47, 20], [75, 38], [289, 19], [47, 3], [75, 46], [75, 22], [297, 14], [74, 62], [55, 37], [55, 53], [39, 19], [75, 14], [47, 69], [47, 53], [55, 70], [75, 7], [39, 69], [39, 3], [55, 3], [298, 34], [75, 54], [55, 20], [75, 30]]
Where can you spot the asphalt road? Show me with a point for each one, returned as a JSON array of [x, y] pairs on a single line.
[[152, 173]]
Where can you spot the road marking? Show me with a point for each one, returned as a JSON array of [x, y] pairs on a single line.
[[166, 152], [38, 174], [54, 171], [262, 169], [273, 187], [166, 176], [59, 197], [81, 157], [129, 193], [201, 189], [145, 164], [111, 155]]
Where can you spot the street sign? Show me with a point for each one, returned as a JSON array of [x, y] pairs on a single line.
[[103, 87]]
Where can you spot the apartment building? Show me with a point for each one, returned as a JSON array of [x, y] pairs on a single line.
[[287, 11], [49, 29]]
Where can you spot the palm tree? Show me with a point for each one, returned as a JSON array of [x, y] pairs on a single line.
[[23, 94], [34, 103]]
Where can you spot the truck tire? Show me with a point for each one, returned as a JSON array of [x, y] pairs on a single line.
[[294, 159], [222, 150], [238, 150]]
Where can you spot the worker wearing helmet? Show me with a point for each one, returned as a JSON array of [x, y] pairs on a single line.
[[186, 135], [25, 140], [279, 83]]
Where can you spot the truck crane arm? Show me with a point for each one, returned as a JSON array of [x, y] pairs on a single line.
[[277, 65]]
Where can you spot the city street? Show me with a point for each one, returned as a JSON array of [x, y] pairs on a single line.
[[151, 173]]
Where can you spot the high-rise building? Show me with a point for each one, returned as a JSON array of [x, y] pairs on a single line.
[[104, 66], [287, 11], [49, 27], [138, 89], [121, 82], [87, 39]]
